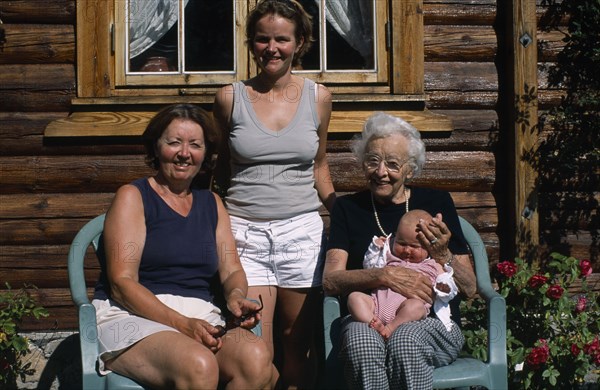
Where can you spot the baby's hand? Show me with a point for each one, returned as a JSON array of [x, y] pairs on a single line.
[[380, 241]]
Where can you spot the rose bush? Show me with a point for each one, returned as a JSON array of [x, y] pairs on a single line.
[[552, 334]]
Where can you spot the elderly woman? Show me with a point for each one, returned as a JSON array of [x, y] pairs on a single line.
[[391, 153]]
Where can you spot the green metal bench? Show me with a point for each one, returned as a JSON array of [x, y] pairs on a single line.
[[88, 331], [462, 373]]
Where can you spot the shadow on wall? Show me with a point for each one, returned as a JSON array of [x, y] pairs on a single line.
[[63, 368]]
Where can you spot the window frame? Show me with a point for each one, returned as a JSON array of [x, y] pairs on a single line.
[[99, 79], [244, 66]]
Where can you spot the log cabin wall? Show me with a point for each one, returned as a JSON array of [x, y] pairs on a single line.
[[51, 187]]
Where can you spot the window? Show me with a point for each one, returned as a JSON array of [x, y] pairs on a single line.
[[362, 47], [192, 42]]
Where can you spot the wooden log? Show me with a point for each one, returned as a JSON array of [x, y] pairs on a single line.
[[61, 318], [70, 173], [549, 98], [22, 133], [54, 205], [37, 87], [461, 76], [29, 264], [38, 11], [482, 219], [37, 77], [479, 13], [32, 101], [445, 100], [472, 120], [43, 278], [40, 257], [550, 44], [460, 43], [465, 200], [39, 231], [38, 44]]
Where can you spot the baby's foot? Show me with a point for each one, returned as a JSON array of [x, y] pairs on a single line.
[[382, 329]]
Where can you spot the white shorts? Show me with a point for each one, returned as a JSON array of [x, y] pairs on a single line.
[[285, 252], [118, 329]]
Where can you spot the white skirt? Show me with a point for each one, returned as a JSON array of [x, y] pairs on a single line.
[[118, 329]]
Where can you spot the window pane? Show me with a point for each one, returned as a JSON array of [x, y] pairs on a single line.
[[153, 35], [312, 59], [154, 38], [349, 42], [349, 30], [209, 35]]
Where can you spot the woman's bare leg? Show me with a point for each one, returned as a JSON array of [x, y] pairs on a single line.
[[245, 361], [269, 297], [297, 312], [168, 360]]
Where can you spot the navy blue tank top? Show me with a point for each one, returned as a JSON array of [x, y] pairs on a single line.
[[180, 253]]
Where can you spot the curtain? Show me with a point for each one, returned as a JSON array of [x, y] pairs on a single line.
[[149, 20], [353, 20]]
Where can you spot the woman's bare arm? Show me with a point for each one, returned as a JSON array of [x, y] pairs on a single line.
[[323, 182]]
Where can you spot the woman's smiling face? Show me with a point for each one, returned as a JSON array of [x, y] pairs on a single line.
[[274, 44], [392, 151], [181, 150]]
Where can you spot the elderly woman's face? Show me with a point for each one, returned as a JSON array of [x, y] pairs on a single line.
[[385, 167]]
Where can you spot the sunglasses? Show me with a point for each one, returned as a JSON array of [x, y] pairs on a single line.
[[234, 322]]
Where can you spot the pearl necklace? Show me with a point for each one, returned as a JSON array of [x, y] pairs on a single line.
[[377, 216]]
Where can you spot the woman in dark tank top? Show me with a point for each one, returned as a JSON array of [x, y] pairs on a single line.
[[164, 242]]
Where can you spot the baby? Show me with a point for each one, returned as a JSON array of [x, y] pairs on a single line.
[[385, 310]]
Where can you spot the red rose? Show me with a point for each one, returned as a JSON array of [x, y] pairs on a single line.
[[536, 281], [586, 268], [575, 350], [581, 304], [555, 292], [592, 348], [507, 268], [538, 355]]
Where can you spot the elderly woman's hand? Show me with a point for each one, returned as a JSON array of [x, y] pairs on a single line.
[[434, 237], [408, 282]]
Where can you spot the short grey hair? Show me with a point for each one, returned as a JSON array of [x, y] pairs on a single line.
[[382, 125]]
